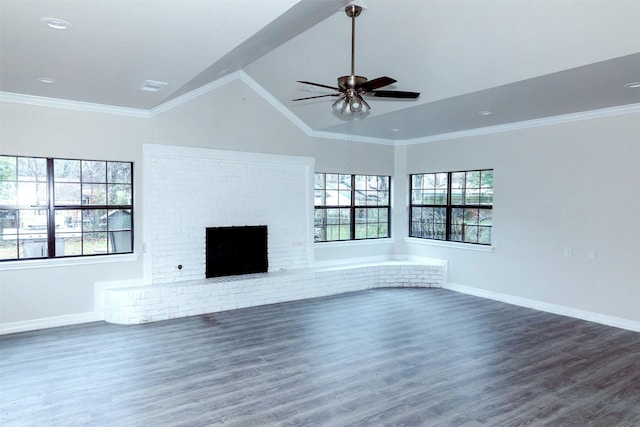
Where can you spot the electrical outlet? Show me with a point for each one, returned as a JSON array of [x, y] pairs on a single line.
[[568, 252]]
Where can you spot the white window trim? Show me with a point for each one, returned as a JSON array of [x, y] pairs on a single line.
[[449, 244], [27, 264]]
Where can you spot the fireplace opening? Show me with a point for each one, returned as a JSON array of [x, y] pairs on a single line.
[[236, 250]]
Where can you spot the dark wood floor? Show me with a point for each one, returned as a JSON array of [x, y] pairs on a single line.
[[397, 357]]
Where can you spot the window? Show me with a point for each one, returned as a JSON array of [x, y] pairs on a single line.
[[454, 206], [61, 207], [351, 207]]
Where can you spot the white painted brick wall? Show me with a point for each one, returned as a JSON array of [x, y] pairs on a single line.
[[188, 194], [189, 298]]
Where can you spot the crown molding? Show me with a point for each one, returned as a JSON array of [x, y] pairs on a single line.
[[189, 96], [546, 121], [271, 100], [66, 104]]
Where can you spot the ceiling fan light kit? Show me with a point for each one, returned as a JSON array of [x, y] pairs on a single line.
[[352, 88]]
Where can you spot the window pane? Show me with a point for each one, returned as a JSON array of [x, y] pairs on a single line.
[[119, 194], [472, 196], [69, 220], [32, 194], [319, 182], [486, 196], [67, 194], [66, 170], [417, 182], [486, 179], [473, 179], [344, 198], [120, 242], [470, 234], [8, 234], [8, 193], [94, 243], [27, 231], [319, 224], [332, 197], [94, 171], [8, 168], [32, 169], [440, 196], [94, 194], [484, 235], [94, 220], [119, 219], [68, 244], [33, 248], [119, 172], [416, 197]]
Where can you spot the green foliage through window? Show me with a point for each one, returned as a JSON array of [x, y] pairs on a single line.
[[63, 207], [351, 207], [454, 206]]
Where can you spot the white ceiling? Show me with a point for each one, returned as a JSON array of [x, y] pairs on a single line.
[[520, 59]]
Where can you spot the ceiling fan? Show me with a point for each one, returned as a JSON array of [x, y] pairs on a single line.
[[352, 88]]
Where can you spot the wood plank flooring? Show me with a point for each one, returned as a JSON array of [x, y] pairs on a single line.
[[384, 357]]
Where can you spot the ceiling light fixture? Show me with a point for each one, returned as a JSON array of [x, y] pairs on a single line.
[[633, 85], [485, 113], [153, 85], [351, 103], [56, 24], [46, 80]]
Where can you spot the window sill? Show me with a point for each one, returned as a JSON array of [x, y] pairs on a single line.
[[384, 241], [65, 262], [445, 244]]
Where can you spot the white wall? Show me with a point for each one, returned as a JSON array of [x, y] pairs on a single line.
[[574, 185]]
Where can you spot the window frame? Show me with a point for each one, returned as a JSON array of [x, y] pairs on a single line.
[[51, 208], [449, 206], [352, 208]]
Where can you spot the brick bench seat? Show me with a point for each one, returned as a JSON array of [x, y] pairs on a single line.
[[155, 302]]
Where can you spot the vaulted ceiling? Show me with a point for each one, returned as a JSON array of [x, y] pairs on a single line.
[[476, 64]]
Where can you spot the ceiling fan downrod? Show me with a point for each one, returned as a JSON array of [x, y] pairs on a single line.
[[352, 12]]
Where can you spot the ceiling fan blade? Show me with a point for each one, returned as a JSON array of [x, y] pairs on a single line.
[[394, 94], [319, 96], [378, 83], [319, 85]]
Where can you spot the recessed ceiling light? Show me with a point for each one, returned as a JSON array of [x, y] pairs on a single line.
[[485, 113], [633, 85], [394, 130], [56, 24], [47, 80], [153, 85]]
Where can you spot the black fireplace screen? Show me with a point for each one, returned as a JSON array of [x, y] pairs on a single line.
[[236, 250]]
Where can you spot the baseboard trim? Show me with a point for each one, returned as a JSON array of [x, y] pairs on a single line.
[[72, 319], [49, 322], [562, 310]]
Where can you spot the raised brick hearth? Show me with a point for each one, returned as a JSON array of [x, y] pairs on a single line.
[[140, 304]]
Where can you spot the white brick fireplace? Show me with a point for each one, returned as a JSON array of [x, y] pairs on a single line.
[[189, 189]]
